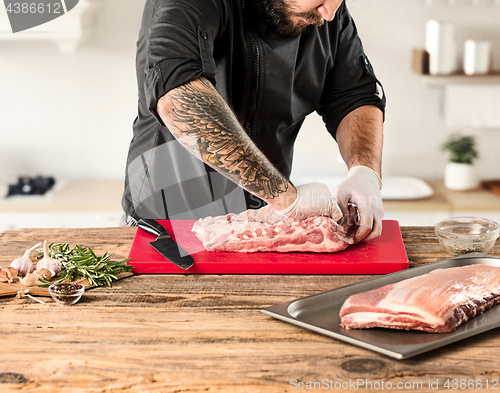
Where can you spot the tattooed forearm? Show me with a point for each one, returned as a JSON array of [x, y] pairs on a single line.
[[202, 121]]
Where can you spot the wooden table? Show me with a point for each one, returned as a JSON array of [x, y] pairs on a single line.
[[205, 333]]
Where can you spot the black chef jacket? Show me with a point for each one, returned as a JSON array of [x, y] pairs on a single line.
[[271, 82]]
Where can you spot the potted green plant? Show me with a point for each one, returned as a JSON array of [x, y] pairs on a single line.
[[460, 173]]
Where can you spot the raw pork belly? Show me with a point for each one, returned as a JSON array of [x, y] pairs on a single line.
[[438, 301], [266, 230]]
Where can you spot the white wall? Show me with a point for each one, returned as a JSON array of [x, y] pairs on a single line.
[[71, 115], [414, 129]]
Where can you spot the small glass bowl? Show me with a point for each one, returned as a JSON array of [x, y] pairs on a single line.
[[66, 294], [462, 235]]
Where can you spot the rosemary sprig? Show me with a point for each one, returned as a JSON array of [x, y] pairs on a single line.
[[82, 262]]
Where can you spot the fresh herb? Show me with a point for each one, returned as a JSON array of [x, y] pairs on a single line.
[[462, 149], [81, 262]]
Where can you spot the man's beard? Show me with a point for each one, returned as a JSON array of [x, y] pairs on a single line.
[[278, 14]]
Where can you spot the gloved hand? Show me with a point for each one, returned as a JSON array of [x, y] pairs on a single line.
[[313, 199], [362, 188]]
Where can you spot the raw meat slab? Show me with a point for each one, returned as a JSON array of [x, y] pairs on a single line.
[[265, 230], [438, 301], [384, 255]]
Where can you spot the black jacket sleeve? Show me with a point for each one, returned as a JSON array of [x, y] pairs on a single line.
[[181, 35], [351, 82]]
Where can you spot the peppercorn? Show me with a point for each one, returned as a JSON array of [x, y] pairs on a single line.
[[66, 288]]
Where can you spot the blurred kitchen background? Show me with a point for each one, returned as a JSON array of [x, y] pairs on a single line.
[[68, 100]]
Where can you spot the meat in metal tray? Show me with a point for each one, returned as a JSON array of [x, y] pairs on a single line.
[[320, 313]]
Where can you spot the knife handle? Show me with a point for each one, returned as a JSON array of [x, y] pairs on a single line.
[[152, 227]]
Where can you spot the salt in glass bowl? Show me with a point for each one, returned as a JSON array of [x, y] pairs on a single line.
[[66, 294], [462, 235]]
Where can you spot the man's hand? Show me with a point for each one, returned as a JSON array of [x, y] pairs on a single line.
[[313, 199], [360, 139], [362, 188]]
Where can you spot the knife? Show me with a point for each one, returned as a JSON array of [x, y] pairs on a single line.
[[165, 245]]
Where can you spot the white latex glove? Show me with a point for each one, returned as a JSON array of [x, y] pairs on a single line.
[[362, 188], [313, 199]]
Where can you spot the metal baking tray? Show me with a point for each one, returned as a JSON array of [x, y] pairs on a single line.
[[320, 313]]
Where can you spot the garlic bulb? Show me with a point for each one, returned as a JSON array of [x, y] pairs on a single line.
[[47, 262], [23, 264], [29, 280], [8, 274]]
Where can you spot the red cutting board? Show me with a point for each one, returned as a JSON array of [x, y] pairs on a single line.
[[384, 255]]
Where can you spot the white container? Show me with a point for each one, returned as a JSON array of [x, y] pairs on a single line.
[[461, 177], [477, 57], [442, 48]]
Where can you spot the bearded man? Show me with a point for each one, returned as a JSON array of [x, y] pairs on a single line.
[[224, 87]]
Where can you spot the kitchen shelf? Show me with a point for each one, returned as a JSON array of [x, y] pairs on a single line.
[[67, 31], [460, 79]]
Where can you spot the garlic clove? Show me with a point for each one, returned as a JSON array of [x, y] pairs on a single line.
[[3, 275], [45, 273], [8, 274], [29, 280], [12, 270]]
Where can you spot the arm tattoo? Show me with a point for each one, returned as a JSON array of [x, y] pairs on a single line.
[[202, 121]]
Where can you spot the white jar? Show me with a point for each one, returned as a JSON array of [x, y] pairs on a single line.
[[442, 48], [477, 57]]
